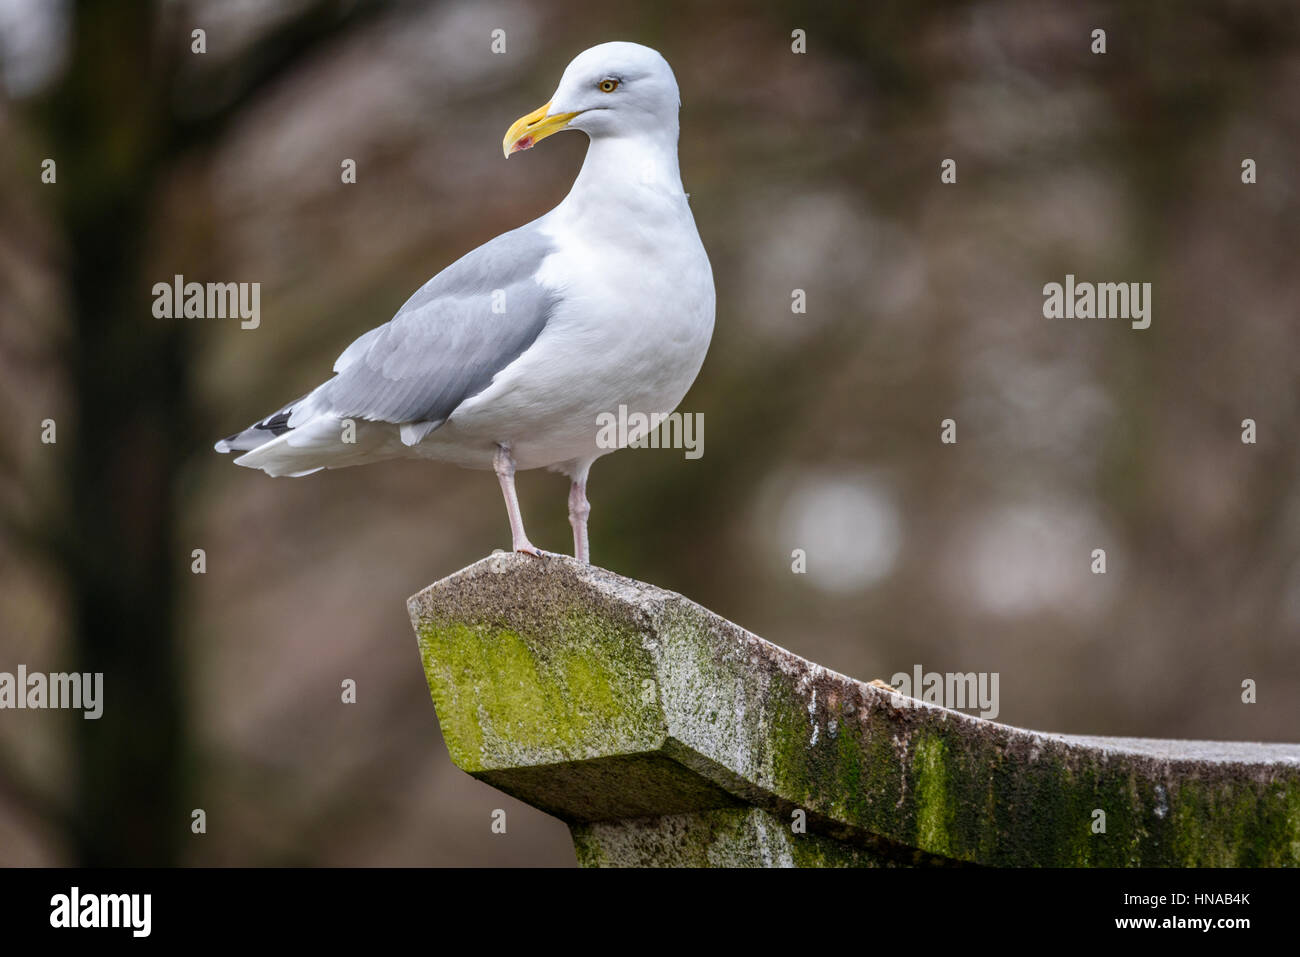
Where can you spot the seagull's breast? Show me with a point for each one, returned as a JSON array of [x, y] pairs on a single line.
[[631, 325]]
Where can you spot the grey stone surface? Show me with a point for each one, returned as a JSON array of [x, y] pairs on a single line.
[[664, 734]]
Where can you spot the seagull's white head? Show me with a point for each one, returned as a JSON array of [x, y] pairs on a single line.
[[612, 90]]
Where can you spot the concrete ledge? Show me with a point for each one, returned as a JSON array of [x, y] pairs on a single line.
[[666, 735]]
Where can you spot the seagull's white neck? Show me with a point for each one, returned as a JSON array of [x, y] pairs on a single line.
[[636, 173]]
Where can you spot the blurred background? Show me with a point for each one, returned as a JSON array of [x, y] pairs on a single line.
[[817, 171]]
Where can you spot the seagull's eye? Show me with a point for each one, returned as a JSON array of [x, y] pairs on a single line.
[[608, 86]]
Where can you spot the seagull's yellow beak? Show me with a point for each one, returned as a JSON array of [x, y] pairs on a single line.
[[527, 131]]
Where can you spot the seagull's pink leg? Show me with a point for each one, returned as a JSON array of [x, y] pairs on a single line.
[[504, 465], [579, 510]]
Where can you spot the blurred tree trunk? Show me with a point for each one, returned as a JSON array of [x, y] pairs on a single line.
[[116, 136], [129, 436]]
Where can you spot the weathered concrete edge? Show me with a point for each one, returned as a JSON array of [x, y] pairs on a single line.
[[782, 733]]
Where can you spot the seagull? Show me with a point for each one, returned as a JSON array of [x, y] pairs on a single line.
[[509, 357]]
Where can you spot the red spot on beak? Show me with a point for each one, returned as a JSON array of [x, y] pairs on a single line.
[[526, 143]]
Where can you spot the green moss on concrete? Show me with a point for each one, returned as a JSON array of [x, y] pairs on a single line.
[[1213, 824], [850, 799], [934, 811], [503, 696], [788, 743]]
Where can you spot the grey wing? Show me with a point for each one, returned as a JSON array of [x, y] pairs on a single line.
[[447, 342]]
